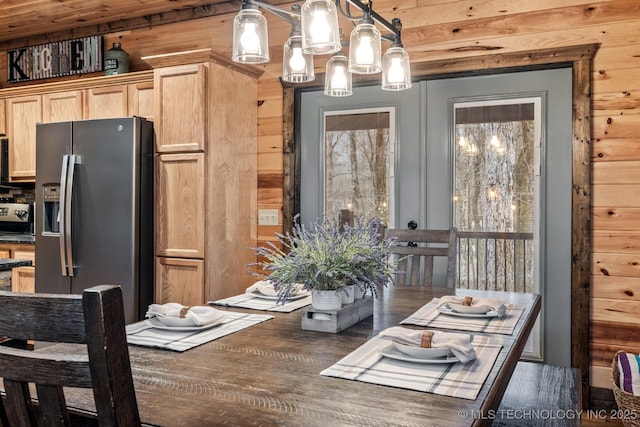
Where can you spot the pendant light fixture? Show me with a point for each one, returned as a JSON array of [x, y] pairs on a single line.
[[320, 31], [396, 74], [337, 80], [297, 66], [250, 39], [364, 47], [315, 31]]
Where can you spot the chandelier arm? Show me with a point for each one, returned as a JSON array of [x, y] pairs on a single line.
[[347, 14], [360, 5], [291, 16]]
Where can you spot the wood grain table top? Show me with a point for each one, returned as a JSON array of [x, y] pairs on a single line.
[[268, 375]]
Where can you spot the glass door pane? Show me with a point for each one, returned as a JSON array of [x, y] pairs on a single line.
[[496, 195], [495, 192], [359, 163]]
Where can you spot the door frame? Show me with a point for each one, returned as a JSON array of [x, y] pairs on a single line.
[[580, 59]]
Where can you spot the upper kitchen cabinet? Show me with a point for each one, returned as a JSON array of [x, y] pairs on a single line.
[[22, 115], [206, 176], [88, 98], [106, 102], [62, 106], [140, 97], [3, 118], [181, 108]]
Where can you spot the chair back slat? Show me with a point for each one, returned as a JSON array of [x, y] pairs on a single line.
[[48, 368], [52, 405], [21, 413], [103, 365], [42, 319], [417, 249]]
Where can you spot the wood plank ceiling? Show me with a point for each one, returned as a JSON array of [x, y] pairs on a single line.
[[24, 19]]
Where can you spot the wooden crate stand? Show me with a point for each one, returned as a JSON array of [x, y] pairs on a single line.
[[337, 320]]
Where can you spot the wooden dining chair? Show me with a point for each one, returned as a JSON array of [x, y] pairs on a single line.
[[416, 250], [94, 319]]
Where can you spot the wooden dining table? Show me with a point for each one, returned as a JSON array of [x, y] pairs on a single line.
[[268, 374]]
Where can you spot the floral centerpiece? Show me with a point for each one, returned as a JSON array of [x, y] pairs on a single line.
[[328, 256]]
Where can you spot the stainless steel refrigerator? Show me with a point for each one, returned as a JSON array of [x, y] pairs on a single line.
[[94, 208]]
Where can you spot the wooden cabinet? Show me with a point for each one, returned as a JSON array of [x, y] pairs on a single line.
[[106, 102], [23, 113], [20, 253], [62, 106], [23, 279], [3, 118], [205, 120], [92, 98], [140, 97], [180, 280], [180, 205], [181, 108]]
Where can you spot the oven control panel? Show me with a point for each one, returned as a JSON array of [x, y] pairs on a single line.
[[14, 212]]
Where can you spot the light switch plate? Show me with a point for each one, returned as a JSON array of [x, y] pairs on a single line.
[[267, 216]]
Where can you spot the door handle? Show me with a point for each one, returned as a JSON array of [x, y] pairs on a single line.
[[73, 159], [412, 225], [62, 215]]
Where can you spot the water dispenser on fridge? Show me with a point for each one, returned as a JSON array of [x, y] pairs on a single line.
[[51, 200]]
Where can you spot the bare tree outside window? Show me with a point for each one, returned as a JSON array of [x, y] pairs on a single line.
[[358, 164], [494, 195]]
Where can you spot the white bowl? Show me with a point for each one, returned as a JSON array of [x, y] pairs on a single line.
[[469, 309], [185, 321], [267, 290], [420, 352]]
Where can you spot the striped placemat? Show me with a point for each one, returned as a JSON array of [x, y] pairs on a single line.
[[145, 334], [428, 315], [463, 380], [256, 303]]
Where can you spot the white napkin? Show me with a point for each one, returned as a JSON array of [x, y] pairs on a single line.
[[199, 315], [459, 344], [495, 305], [265, 287]]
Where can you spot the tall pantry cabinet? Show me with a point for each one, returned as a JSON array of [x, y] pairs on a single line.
[[206, 176]]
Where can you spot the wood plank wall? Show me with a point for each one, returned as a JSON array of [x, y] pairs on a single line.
[[447, 29]]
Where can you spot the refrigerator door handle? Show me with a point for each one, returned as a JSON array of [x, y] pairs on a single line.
[[73, 159], [62, 214]]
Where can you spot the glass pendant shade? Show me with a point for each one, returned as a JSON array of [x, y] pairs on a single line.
[[250, 38], [337, 80], [320, 32], [396, 69], [364, 49], [297, 66]]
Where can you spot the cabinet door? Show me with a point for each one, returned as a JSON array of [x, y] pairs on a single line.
[[179, 280], [106, 102], [29, 254], [3, 118], [180, 201], [141, 100], [181, 108], [62, 106], [5, 253], [23, 113], [23, 279]]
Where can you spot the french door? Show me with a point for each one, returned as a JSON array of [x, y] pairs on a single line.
[[429, 155]]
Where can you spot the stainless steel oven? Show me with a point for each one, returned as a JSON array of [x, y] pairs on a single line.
[[15, 218]]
